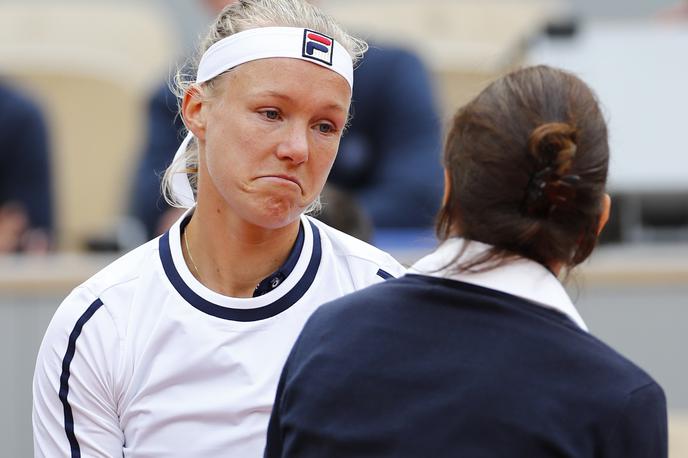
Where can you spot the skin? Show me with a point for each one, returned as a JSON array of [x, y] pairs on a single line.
[[266, 146], [16, 233], [555, 266], [13, 223]]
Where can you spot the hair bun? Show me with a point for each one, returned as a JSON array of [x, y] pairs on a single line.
[[553, 145]]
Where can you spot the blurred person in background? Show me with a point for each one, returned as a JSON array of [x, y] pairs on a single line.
[[478, 350], [26, 219], [175, 349], [677, 12], [342, 212], [387, 158]]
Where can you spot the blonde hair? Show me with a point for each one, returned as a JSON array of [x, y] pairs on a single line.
[[238, 17]]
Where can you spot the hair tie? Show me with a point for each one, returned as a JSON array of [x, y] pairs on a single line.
[[547, 192]]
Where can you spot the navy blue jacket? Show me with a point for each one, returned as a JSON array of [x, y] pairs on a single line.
[[431, 367], [388, 157], [25, 176]]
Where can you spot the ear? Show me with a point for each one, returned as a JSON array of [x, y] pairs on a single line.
[[193, 112], [604, 216]]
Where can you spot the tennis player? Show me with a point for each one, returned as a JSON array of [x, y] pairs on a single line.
[[175, 349], [478, 351]]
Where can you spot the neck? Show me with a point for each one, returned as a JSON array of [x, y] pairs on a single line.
[[553, 266], [231, 256]]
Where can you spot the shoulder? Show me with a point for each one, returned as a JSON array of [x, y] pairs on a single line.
[[617, 377], [126, 269], [637, 424], [423, 298], [356, 253], [112, 288], [15, 105], [383, 303]]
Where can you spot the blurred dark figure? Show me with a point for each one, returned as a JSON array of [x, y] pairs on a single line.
[[26, 219], [341, 211], [388, 159]]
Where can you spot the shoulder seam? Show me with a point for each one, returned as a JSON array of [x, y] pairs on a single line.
[[625, 404], [649, 384], [120, 339]]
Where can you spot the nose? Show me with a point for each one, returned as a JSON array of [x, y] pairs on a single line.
[[294, 146]]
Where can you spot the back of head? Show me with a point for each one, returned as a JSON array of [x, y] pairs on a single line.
[[527, 161]]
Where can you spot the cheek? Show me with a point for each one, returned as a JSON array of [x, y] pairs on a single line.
[[319, 171], [323, 159], [229, 153]]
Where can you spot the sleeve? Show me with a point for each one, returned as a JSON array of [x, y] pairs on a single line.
[[365, 272], [163, 139], [30, 179], [408, 143], [74, 401], [641, 429]]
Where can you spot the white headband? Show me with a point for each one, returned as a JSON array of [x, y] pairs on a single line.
[[262, 43]]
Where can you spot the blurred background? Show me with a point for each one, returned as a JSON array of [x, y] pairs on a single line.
[[77, 84]]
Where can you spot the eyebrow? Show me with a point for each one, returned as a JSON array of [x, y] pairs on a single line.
[[280, 95]]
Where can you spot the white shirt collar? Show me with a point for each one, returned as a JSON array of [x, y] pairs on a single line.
[[520, 277]]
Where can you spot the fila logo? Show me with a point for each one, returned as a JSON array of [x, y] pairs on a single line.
[[317, 46]]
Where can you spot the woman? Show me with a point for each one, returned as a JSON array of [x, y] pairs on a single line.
[[479, 351], [176, 348]]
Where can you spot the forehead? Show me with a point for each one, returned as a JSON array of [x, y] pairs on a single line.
[[292, 77]]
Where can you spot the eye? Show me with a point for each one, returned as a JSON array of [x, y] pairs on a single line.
[[272, 115], [326, 128]]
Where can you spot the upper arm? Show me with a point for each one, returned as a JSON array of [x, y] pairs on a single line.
[[641, 428], [75, 408]]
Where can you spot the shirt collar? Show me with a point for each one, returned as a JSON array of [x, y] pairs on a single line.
[[273, 280], [520, 277], [276, 278]]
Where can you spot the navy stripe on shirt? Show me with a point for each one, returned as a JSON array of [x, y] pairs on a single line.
[[383, 274], [64, 378], [244, 315]]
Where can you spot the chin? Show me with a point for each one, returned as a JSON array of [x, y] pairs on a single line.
[[278, 213]]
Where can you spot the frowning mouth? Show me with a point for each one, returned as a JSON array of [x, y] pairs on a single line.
[[281, 179]]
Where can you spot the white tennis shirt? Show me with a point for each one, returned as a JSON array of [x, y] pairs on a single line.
[[142, 360]]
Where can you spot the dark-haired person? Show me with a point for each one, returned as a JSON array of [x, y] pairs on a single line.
[[26, 215], [479, 352]]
